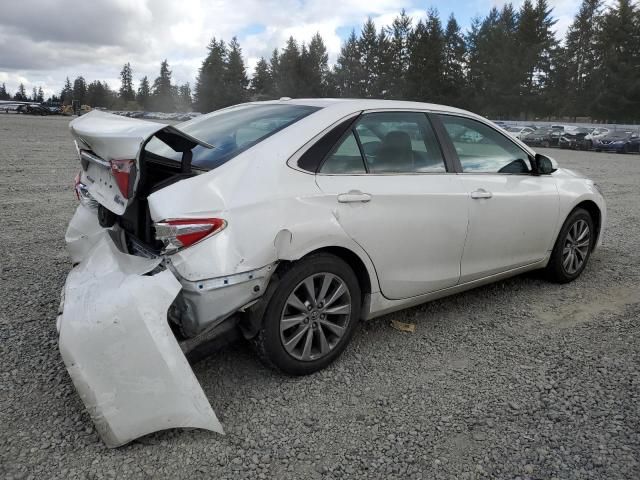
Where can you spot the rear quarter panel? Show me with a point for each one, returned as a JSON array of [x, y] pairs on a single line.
[[273, 211]]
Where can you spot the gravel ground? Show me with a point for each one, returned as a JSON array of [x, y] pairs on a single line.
[[520, 379]]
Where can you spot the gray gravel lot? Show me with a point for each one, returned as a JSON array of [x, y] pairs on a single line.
[[520, 379]]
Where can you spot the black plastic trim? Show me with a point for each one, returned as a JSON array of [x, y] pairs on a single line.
[[312, 159], [451, 159]]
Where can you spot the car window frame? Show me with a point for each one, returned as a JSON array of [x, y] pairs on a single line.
[[446, 159], [445, 139]]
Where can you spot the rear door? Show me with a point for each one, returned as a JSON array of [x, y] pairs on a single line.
[[512, 213], [397, 198]]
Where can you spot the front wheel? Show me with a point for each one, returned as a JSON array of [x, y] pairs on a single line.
[[572, 248], [311, 316]]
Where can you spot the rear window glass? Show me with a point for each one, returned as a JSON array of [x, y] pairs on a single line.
[[232, 131]]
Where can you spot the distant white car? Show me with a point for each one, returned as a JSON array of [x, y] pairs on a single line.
[[519, 132], [596, 135], [289, 221]]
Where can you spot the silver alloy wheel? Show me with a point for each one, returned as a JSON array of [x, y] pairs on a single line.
[[576, 247], [315, 317]]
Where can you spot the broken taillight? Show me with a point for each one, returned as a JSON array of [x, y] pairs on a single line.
[[180, 233], [122, 170]]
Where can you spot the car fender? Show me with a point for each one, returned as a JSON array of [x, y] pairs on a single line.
[[574, 189]]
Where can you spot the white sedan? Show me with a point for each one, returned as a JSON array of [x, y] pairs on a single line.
[[519, 132], [288, 222]]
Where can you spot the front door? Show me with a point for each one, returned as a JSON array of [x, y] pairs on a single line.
[[512, 213]]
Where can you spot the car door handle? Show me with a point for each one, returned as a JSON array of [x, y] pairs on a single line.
[[354, 196], [481, 193]]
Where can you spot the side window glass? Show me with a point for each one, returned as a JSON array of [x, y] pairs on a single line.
[[481, 149], [399, 142], [345, 158]]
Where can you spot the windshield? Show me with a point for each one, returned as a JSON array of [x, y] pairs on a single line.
[[232, 131]]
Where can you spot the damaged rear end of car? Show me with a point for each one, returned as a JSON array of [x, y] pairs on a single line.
[[174, 249], [124, 301]]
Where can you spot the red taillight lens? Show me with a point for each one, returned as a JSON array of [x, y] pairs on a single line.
[[181, 233], [121, 170]]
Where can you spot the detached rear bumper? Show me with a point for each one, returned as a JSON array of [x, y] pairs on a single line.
[[121, 354]]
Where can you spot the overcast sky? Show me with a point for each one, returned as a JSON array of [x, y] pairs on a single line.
[[43, 41]]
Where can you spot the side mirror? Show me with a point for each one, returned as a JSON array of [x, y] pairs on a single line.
[[545, 165]]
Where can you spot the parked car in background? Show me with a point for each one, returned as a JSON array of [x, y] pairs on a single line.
[[573, 138], [621, 142], [519, 132], [33, 109], [596, 134], [540, 137]]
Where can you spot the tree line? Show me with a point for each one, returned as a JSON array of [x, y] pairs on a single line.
[[508, 64]]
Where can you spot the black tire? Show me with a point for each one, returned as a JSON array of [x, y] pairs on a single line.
[[268, 342], [546, 144], [556, 270]]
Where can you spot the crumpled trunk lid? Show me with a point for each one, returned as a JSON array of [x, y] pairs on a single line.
[[102, 137]]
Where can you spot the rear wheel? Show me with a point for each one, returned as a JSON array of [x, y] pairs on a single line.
[[572, 248], [311, 315]]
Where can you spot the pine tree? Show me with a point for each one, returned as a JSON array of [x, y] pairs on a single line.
[[126, 83], [4, 95], [582, 59], [67, 93], [384, 59], [235, 75], [40, 95], [454, 64], [162, 95], [99, 94], [535, 40], [426, 53], [209, 91], [618, 80], [34, 94], [369, 60], [314, 68], [399, 53], [274, 65], [80, 89], [143, 96], [287, 76], [262, 81], [21, 94], [184, 100], [348, 72], [493, 68]]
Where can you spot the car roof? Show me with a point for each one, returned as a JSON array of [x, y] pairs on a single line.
[[367, 104]]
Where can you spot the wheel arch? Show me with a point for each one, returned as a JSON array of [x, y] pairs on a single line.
[[353, 260], [596, 214], [365, 273]]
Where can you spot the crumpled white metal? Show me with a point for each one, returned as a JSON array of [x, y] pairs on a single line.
[[120, 352]]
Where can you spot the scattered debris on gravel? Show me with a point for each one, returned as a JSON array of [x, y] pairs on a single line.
[[520, 379]]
